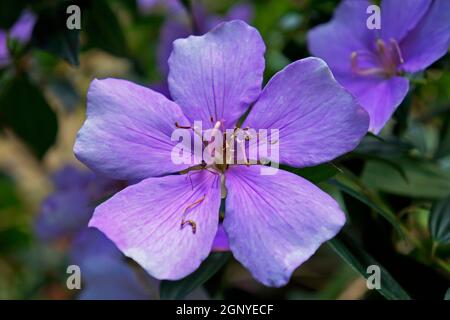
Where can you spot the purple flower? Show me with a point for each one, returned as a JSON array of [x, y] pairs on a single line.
[[21, 31], [168, 221], [105, 273], [67, 211], [371, 64], [146, 6]]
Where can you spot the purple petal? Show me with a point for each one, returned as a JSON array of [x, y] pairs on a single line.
[[399, 17], [175, 27], [346, 32], [218, 74], [105, 272], [317, 119], [90, 243], [276, 222], [71, 177], [63, 214], [221, 240], [127, 133], [429, 40], [379, 96], [160, 87], [172, 6], [145, 221], [23, 28], [4, 52], [241, 11]]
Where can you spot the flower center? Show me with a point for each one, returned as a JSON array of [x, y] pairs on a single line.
[[383, 61], [221, 147]]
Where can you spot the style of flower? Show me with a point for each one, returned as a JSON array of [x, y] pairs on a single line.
[[372, 63], [21, 32], [168, 221]]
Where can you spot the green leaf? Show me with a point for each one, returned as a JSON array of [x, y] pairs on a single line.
[[439, 221], [103, 29], [423, 179], [349, 187], [386, 148], [24, 110], [444, 139], [315, 174], [348, 249], [8, 194], [52, 35], [447, 294], [181, 288]]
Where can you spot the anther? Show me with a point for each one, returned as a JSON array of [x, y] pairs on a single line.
[[181, 127], [191, 223]]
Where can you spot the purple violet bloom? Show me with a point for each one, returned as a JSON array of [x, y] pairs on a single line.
[[68, 210], [21, 31], [371, 64], [105, 272], [273, 223]]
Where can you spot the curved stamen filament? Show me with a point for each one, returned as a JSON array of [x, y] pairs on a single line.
[[363, 71], [397, 50], [386, 58], [191, 222]]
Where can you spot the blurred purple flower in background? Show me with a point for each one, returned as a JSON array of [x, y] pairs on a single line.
[[105, 271], [65, 215], [371, 63], [21, 32], [273, 223]]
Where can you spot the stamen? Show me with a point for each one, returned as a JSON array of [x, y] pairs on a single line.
[[363, 72], [182, 127], [394, 43], [191, 223], [381, 47], [194, 204]]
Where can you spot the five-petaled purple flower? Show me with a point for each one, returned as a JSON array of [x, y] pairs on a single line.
[[273, 222], [371, 63]]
